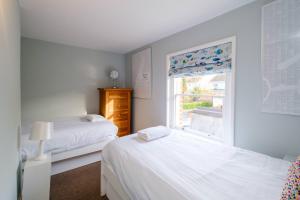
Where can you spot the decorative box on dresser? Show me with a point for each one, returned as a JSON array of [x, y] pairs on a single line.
[[115, 105]]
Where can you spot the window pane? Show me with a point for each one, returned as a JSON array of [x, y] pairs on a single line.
[[199, 103]]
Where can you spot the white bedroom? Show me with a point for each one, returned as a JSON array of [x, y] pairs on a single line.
[[162, 99]]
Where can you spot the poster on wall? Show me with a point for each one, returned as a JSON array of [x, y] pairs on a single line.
[[281, 57], [141, 74]]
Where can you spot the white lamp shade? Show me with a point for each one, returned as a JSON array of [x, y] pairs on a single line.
[[41, 131]]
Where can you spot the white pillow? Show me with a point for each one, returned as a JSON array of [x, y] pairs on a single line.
[[95, 118]]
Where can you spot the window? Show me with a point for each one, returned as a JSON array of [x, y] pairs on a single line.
[[199, 104], [202, 103]]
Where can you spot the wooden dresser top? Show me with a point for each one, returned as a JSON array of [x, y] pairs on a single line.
[[115, 89]]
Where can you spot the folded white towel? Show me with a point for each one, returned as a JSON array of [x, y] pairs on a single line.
[[153, 133], [95, 118]]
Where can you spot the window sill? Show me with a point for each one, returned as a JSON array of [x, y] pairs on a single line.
[[203, 135]]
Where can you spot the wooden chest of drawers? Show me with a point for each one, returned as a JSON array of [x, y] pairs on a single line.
[[115, 105]]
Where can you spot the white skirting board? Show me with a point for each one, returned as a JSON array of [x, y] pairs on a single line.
[[72, 163]]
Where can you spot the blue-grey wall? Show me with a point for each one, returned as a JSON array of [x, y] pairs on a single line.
[[267, 133], [60, 80], [10, 97]]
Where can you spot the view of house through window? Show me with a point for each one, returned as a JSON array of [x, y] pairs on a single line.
[[199, 103]]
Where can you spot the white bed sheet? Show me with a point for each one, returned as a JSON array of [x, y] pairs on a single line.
[[68, 134], [184, 166]]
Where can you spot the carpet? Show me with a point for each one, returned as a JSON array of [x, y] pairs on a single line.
[[82, 183]]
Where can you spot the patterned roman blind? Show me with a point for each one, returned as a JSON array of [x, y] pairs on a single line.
[[214, 59]]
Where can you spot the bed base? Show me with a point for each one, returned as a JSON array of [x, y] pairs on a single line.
[[75, 162], [79, 157], [110, 185]]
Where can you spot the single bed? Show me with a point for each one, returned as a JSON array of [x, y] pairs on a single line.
[[185, 166], [73, 137]]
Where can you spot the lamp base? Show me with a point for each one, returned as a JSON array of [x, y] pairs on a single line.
[[41, 155]]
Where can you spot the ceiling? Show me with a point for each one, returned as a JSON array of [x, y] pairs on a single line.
[[115, 25]]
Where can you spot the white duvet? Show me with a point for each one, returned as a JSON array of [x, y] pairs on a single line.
[[184, 166], [68, 134]]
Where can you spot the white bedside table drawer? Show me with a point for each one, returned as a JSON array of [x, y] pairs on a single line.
[[36, 179]]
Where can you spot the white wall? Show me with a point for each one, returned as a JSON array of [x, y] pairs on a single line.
[[10, 97], [267, 133], [60, 80]]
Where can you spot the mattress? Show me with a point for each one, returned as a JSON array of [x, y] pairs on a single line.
[[185, 166], [68, 134]]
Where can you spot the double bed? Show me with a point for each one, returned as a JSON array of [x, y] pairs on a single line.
[[75, 142], [185, 166]]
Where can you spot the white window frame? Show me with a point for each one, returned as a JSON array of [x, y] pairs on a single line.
[[229, 100]]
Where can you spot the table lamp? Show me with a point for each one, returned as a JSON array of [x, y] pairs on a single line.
[[41, 131], [114, 75]]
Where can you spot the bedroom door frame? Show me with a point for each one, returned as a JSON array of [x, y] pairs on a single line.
[[229, 100]]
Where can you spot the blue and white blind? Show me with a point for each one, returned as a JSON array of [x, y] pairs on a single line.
[[214, 59]]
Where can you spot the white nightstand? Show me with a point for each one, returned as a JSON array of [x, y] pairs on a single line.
[[36, 179], [290, 158]]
